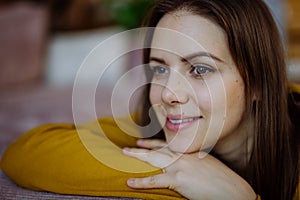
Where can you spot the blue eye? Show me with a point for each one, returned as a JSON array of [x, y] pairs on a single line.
[[160, 70], [200, 70]]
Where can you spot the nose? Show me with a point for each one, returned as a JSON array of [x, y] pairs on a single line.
[[174, 91]]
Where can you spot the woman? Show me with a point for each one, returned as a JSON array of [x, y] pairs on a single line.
[[256, 51], [213, 95]]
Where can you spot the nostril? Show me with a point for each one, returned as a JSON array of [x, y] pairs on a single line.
[[174, 102]]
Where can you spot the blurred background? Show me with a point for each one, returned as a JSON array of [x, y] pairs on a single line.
[[47, 40], [44, 42]]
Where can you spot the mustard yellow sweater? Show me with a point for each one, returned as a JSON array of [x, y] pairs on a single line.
[[53, 158]]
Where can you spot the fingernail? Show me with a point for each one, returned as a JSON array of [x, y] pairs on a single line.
[[126, 149], [202, 154], [130, 182], [139, 142]]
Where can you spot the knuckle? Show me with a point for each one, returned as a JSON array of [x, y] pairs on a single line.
[[172, 187], [179, 175], [177, 181], [152, 180], [183, 163]]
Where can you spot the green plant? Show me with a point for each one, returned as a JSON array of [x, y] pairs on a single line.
[[129, 13]]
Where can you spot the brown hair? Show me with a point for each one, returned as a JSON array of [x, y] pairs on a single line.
[[255, 46]]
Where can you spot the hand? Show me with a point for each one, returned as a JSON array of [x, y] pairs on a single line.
[[197, 175]]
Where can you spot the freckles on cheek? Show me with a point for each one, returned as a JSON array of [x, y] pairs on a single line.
[[204, 99], [235, 93]]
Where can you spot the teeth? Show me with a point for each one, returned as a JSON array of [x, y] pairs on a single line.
[[179, 121]]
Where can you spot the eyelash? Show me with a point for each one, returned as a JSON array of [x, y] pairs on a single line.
[[159, 70], [197, 70]]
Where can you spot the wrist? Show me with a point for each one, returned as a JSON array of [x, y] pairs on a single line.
[[242, 190]]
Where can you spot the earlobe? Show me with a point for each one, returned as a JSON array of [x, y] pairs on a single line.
[[254, 99], [254, 95]]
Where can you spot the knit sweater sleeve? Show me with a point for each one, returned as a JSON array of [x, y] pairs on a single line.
[[64, 159]]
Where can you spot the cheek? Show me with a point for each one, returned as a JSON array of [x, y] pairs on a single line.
[[204, 100], [203, 97], [235, 105], [236, 96], [223, 96]]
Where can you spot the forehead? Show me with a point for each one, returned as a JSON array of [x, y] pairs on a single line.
[[185, 33]]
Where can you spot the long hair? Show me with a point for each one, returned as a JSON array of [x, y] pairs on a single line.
[[256, 48]]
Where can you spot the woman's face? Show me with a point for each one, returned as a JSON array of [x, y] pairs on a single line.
[[196, 91]]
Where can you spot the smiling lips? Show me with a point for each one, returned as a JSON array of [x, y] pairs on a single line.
[[177, 123]]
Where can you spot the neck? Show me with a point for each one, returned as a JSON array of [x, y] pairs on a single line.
[[235, 149]]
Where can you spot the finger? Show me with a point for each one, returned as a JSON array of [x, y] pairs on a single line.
[[159, 159], [156, 181], [151, 143], [141, 154], [202, 154]]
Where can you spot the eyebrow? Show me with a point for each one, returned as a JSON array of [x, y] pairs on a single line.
[[159, 60], [190, 57], [201, 54]]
